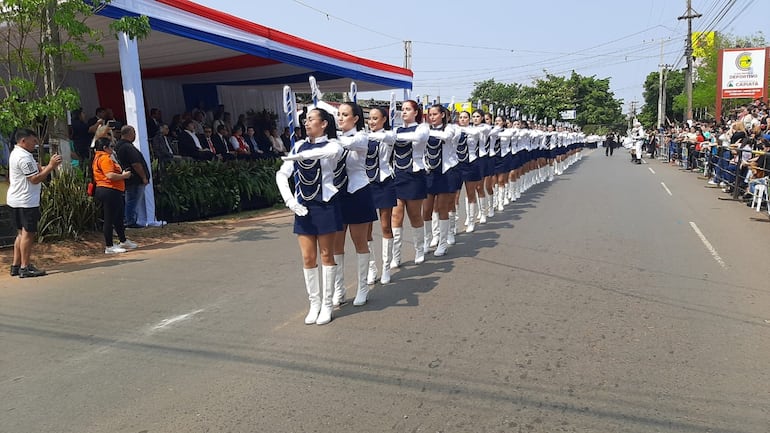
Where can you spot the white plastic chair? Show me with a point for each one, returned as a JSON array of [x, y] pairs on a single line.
[[760, 193]]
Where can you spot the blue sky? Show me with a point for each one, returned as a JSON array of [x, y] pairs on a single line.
[[508, 40]]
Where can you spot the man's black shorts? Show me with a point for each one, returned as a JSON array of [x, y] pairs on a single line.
[[26, 218]]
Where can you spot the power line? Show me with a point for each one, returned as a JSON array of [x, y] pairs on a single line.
[[330, 16]]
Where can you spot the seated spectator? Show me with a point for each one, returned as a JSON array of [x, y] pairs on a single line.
[[153, 122], [251, 141], [216, 144], [278, 147], [190, 145], [222, 141], [237, 143], [161, 145], [286, 138], [198, 122], [265, 143]]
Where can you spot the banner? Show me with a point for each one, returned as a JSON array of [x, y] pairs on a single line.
[[702, 43], [568, 114], [743, 73]]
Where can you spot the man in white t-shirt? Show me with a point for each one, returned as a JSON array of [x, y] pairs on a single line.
[[25, 176]]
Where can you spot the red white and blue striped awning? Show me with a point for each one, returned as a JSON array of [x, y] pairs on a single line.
[[194, 44]]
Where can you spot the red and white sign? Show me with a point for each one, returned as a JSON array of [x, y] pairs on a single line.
[[743, 73]]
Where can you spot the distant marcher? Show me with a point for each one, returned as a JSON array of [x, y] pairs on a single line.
[[110, 186], [25, 176], [609, 144]]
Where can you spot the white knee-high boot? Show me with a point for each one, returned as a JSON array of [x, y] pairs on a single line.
[[419, 245], [387, 250], [363, 288], [443, 235], [396, 257], [313, 294], [371, 276], [433, 238], [500, 199], [450, 239], [339, 280], [471, 226], [483, 209], [325, 316]]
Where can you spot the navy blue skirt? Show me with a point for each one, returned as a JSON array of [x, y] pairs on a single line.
[[358, 207], [321, 218], [484, 162], [515, 161], [410, 185], [442, 183], [501, 165], [384, 193], [470, 171]]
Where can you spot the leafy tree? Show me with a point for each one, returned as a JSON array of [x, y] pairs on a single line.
[[674, 86], [596, 106], [489, 91], [39, 40], [705, 86]]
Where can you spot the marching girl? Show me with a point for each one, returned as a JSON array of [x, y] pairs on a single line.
[[356, 200], [482, 129], [490, 146], [502, 151], [410, 182], [517, 161], [442, 179], [318, 215], [468, 167], [380, 174]]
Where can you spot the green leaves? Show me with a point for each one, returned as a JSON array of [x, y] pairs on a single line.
[[591, 97], [66, 210], [190, 189]]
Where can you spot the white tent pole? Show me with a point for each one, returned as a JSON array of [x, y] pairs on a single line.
[[130, 71]]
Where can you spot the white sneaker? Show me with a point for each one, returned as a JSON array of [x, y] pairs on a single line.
[[128, 245], [115, 249], [711, 182]]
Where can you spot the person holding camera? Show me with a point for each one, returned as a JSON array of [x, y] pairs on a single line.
[[23, 197]]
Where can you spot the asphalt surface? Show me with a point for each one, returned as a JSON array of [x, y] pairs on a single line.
[[590, 305]]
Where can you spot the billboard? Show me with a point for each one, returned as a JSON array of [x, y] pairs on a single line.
[[702, 43], [743, 73]]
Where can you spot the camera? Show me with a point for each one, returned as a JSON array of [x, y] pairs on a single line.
[[112, 124]]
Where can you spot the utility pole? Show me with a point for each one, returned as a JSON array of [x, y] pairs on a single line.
[[407, 61], [689, 15], [662, 95]]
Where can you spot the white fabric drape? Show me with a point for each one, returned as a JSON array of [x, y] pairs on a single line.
[[240, 99], [135, 116], [166, 95]]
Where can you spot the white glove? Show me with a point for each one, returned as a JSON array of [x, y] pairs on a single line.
[[298, 209]]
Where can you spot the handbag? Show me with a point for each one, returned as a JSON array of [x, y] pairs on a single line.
[[91, 189]]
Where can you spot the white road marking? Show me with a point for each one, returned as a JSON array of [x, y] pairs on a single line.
[[708, 245], [666, 188], [170, 321], [651, 170]]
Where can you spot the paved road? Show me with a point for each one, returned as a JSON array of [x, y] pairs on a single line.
[[591, 305]]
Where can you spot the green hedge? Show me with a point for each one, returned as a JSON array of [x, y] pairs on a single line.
[[191, 190]]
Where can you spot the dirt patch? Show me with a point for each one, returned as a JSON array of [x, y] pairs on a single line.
[[50, 254]]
